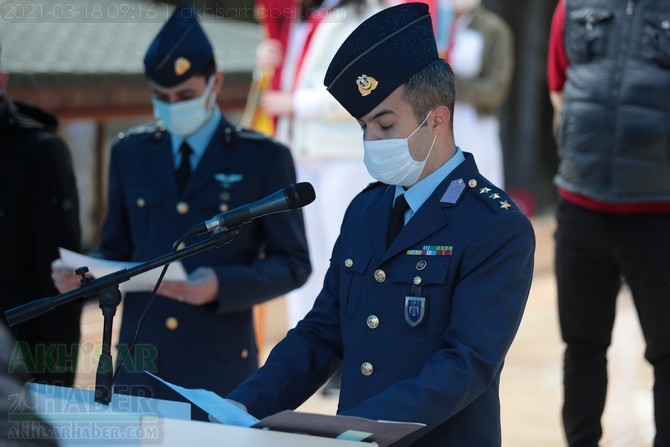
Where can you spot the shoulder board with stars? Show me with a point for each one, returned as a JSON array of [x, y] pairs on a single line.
[[250, 134], [495, 197], [150, 128]]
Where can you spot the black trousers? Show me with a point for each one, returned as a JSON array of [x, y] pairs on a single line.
[[595, 254]]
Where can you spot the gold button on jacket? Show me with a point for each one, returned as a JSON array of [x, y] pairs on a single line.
[[182, 207], [171, 323]]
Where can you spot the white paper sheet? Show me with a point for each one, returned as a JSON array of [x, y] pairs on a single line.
[[216, 406], [144, 282]]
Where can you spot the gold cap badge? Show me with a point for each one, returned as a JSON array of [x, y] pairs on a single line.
[[366, 84], [181, 65]]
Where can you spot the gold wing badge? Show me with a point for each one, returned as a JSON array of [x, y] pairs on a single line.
[[366, 84]]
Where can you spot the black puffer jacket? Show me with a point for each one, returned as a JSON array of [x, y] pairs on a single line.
[[614, 133]]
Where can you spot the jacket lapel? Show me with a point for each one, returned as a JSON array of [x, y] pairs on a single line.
[[432, 216], [429, 219], [161, 163], [377, 214]]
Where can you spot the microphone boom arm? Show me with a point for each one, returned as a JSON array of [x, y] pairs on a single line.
[[107, 290], [38, 307]]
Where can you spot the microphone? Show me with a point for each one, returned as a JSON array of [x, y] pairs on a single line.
[[289, 198]]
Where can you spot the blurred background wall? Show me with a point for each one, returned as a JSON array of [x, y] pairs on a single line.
[[90, 75]]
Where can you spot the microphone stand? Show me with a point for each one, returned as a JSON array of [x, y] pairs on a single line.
[[106, 288]]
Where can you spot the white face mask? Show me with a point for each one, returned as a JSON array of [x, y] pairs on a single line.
[[390, 161], [185, 117]]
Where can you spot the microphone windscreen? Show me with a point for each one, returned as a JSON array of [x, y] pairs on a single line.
[[301, 194]]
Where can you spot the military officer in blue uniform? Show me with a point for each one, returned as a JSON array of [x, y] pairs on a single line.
[[422, 323], [198, 333]]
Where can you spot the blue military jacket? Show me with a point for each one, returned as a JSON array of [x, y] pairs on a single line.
[[422, 327], [210, 346]]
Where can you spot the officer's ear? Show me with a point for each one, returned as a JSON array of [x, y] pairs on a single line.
[[439, 120], [218, 82]]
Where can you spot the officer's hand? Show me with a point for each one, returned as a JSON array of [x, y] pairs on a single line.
[[201, 287], [232, 402], [64, 278], [239, 405]]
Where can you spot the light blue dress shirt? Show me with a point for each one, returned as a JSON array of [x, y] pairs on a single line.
[[199, 140], [417, 194]]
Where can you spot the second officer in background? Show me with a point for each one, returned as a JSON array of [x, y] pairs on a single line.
[[198, 333]]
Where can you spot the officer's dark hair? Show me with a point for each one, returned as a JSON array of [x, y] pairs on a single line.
[[434, 85], [208, 70]]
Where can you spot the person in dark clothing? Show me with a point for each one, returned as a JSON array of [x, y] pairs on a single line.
[[167, 176], [39, 212], [609, 81]]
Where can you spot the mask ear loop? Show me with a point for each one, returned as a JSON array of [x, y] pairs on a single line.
[[431, 148], [209, 104], [420, 125], [434, 138]]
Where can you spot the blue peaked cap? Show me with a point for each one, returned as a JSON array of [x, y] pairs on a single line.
[[180, 50], [381, 54]]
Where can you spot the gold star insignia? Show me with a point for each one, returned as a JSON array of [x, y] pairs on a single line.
[[505, 204]]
